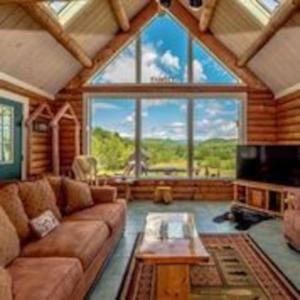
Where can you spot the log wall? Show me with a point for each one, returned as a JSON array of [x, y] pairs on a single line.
[[39, 159], [288, 119]]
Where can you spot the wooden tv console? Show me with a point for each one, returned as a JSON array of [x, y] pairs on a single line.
[[264, 197]]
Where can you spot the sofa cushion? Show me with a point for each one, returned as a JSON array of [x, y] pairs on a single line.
[[45, 278], [56, 185], [37, 197], [5, 285], [9, 240], [103, 194], [77, 195], [113, 214], [82, 239], [13, 207]]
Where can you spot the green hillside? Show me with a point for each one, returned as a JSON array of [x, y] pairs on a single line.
[[214, 157]]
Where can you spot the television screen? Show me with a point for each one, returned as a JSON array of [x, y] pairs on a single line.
[[270, 164]]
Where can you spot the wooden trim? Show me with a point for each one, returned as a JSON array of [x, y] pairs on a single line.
[[215, 46], [207, 14], [119, 41], [65, 111], [21, 89], [280, 17], [41, 14], [162, 88], [120, 13], [40, 112]]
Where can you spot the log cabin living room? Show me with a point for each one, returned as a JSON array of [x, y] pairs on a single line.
[[149, 149]]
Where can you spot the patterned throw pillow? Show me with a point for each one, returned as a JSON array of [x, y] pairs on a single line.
[[9, 240], [77, 194], [44, 224], [12, 205], [37, 197], [5, 285]]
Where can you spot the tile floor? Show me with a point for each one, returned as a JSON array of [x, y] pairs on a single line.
[[267, 234]]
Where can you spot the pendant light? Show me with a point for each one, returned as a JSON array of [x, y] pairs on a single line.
[[166, 3], [196, 4]]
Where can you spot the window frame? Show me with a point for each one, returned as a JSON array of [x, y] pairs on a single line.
[[242, 97]]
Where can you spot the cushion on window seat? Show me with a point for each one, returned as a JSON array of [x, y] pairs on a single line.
[[45, 278], [82, 240]]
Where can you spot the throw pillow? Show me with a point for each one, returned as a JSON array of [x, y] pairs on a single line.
[[77, 194], [5, 285], [13, 207], [44, 224], [9, 240], [56, 184], [37, 197]]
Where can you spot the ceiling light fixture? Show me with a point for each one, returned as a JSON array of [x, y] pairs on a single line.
[[196, 4], [166, 3]]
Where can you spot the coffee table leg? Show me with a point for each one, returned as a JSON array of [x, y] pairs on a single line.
[[173, 282]]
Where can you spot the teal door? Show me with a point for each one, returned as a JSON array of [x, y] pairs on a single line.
[[11, 117]]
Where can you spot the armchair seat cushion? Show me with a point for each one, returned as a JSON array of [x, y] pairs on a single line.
[[45, 278], [82, 240], [113, 214]]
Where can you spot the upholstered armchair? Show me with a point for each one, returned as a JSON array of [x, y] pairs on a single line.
[[292, 218]]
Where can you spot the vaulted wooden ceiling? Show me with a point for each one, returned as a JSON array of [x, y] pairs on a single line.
[[37, 49]]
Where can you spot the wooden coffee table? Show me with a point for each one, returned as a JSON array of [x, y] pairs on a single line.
[[171, 242]]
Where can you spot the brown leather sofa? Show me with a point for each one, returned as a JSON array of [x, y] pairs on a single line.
[[64, 264]]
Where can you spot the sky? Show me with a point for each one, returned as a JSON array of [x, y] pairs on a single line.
[[164, 58]]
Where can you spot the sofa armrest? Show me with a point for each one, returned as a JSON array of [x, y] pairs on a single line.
[[104, 194]]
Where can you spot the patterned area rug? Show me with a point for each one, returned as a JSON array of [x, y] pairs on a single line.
[[238, 270]]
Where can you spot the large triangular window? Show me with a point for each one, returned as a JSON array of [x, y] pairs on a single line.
[[165, 57]]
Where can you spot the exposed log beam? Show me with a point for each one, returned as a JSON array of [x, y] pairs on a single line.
[[40, 13], [207, 14], [280, 17], [120, 13], [119, 41]]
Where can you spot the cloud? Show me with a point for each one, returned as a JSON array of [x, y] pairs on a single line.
[[199, 74], [114, 72], [218, 128], [104, 105], [170, 61]]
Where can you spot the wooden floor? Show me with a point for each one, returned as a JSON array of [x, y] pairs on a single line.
[[267, 234]]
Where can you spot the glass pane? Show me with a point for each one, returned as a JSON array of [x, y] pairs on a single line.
[[207, 69], [216, 135], [113, 135], [121, 70], [6, 133], [164, 51], [58, 6], [164, 138], [269, 5]]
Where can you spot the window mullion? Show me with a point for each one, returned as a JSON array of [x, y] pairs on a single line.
[[190, 60], [190, 133]]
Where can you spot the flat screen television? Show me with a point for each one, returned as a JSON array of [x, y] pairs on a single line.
[[270, 164]]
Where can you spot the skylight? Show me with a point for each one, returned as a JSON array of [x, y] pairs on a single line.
[[65, 10], [58, 6], [269, 5]]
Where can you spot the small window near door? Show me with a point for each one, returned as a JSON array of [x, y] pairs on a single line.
[[6, 134]]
